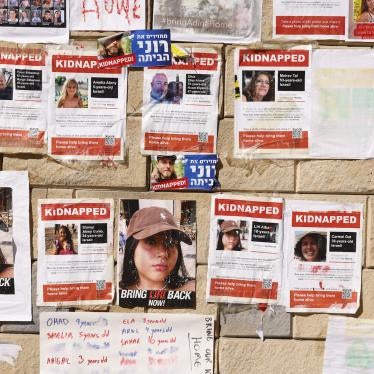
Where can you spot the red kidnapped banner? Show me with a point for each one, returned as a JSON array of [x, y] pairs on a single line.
[[19, 56], [326, 219], [242, 208], [79, 211], [276, 57]]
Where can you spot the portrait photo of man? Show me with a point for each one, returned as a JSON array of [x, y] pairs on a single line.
[[164, 169], [159, 88]]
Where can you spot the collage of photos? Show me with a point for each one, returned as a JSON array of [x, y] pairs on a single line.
[[157, 252], [41, 13]]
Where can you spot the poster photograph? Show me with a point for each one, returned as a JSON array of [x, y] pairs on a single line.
[[75, 244], [23, 98], [305, 19], [180, 103], [107, 15], [361, 20], [236, 21], [174, 172], [245, 249], [34, 21], [272, 102], [15, 254], [134, 343], [86, 107], [342, 106], [323, 255], [156, 261]]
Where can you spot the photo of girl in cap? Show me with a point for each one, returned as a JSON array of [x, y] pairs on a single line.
[[310, 246], [229, 237], [157, 246]]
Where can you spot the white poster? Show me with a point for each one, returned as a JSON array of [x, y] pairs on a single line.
[[107, 15], [343, 106], [34, 21], [135, 343], [245, 249], [23, 98], [235, 21], [75, 252], [15, 256], [272, 102], [180, 103], [87, 107], [349, 346], [305, 19], [323, 254]]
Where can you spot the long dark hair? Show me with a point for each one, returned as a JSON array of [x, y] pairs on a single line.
[[220, 246], [69, 238], [321, 245], [251, 88], [364, 6], [130, 277]]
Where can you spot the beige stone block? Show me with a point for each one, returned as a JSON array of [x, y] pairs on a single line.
[[267, 20], [247, 175], [336, 176], [203, 212], [238, 356], [367, 308], [370, 233], [47, 171], [310, 326], [28, 359]]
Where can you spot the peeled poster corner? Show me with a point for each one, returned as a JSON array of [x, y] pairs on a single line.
[[87, 107], [272, 102], [9, 353], [75, 252], [23, 98], [104, 15], [35, 22], [310, 20], [15, 259], [134, 343], [349, 346], [189, 172], [343, 126], [180, 103], [167, 229], [322, 256], [235, 21], [245, 249], [360, 21]]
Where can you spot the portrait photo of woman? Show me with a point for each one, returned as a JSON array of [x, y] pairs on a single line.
[[311, 247], [70, 96], [258, 86], [367, 11], [63, 244], [153, 257], [229, 237]]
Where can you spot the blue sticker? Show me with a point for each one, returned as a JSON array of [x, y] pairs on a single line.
[[200, 170], [151, 47]]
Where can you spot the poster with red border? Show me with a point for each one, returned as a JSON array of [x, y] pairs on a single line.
[[87, 107], [361, 21], [180, 103], [245, 249], [272, 102], [323, 255], [75, 252], [305, 19], [23, 98]]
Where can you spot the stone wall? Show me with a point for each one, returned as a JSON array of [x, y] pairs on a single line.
[[294, 342]]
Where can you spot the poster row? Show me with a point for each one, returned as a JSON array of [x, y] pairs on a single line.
[[290, 103], [238, 21], [302, 254]]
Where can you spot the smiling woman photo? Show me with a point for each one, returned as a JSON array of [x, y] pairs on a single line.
[[311, 247], [259, 88], [70, 97], [367, 11]]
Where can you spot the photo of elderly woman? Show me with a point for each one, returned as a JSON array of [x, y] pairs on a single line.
[[71, 93], [310, 246], [229, 236], [61, 240], [367, 11], [258, 86], [159, 253]]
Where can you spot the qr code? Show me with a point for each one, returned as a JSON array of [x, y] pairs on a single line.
[[203, 137], [297, 133], [33, 133], [109, 139], [267, 284], [100, 285], [347, 293]]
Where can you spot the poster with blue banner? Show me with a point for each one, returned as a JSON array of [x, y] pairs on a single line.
[[191, 172]]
